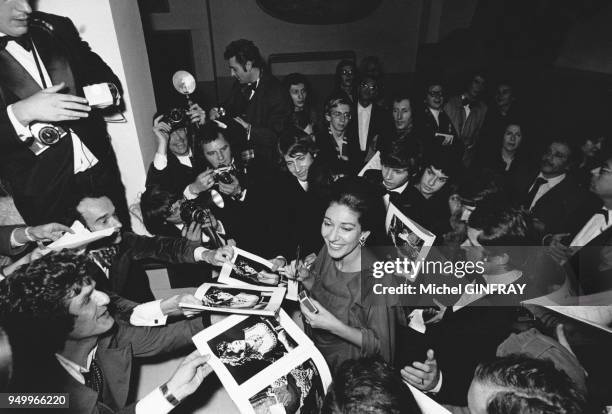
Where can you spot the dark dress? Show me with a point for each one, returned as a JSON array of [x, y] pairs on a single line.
[[341, 294]]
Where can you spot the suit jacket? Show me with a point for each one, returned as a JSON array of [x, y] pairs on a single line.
[[115, 356], [426, 128], [590, 268], [329, 153], [468, 129], [176, 176], [43, 184], [380, 130], [267, 112], [561, 207], [5, 241], [461, 340], [126, 275]]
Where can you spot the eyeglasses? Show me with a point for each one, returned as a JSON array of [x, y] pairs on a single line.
[[435, 94], [345, 115], [347, 71], [370, 87], [601, 171], [175, 207]]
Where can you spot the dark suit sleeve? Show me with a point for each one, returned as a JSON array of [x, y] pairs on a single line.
[[98, 71], [164, 249], [151, 341], [5, 241], [264, 132]]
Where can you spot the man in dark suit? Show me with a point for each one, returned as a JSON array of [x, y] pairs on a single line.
[[44, 65], [120, 256], [250, 209], [257, 102], [175, 164], [433, 127], [84, 351], [398, 167], [553, 196], [371, 124], [467, 113]]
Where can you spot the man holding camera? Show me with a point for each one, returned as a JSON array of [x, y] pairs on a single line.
[[257, 102], [53, 143], [175, 165], [246, 201]]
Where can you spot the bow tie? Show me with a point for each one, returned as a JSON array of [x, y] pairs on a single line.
[[23, 41]]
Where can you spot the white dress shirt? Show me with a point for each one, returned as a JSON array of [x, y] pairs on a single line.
[[436, 115], [593, 228], [363, 118], [152, 403], [160, 161], [83, 158], [544, 188]]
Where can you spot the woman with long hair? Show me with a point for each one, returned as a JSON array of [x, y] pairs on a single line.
[[303, 114]]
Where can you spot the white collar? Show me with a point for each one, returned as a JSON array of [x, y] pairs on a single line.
[[364, 108], [401, 188], [75, 370], [553, 181]]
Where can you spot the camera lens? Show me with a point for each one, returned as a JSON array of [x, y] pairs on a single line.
[[48, 135], [191, 211]]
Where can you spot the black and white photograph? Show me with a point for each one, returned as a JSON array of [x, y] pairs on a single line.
[[240, 300], [298, 392], [176, 174], [412, 241], [245, 269], [251, 345]]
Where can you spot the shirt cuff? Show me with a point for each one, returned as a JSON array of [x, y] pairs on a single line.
[[197, 253], [189, 195], [153, 403], [243, 195], [14, 242], [160, 162], [148, 314], [22, 131]]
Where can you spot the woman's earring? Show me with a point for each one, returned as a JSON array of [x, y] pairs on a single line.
[[362, 240]]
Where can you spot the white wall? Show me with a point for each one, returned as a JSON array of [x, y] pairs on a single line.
[[114, 31]]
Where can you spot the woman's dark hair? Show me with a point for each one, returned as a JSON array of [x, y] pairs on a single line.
[[365, 199], [155, 204], [296, 79], [294, 141], [527, 385]]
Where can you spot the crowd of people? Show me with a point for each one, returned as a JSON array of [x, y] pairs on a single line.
[[271, 172]]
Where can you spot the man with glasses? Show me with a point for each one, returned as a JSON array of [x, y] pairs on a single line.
[[589, 252], [432, 125], [339, 148], [372, 124]]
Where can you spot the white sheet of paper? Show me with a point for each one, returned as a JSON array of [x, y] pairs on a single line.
[[80, 238], [373, 164]]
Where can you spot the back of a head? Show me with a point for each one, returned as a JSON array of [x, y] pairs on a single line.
[[525, 385], [368, 385]]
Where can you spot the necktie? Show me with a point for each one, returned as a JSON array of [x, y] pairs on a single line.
[[94, 379], [23, 41], [104, 256], [534, 190]]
